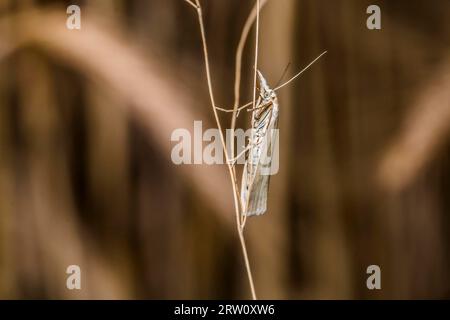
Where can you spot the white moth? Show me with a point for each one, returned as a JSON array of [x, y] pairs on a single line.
[[263, 139], [263, 146]]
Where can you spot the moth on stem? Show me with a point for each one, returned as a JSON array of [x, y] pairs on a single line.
[[251, 199], [253, 16], [261, 148]]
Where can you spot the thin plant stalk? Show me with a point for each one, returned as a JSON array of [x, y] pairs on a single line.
[[255, 67], [238, 73], [256, 54], [198, 8]]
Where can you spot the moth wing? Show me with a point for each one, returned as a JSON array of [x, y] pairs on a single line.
[[257, 203], [256, 177]]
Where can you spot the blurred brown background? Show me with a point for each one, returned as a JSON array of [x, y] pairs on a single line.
[[86, 176]]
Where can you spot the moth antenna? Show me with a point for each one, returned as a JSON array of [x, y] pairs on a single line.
[[283, 74], [298, 74]]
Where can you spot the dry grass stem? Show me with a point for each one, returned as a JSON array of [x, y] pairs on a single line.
[[237, 204]]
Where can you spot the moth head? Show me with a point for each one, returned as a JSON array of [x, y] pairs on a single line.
[[269, 94], [265, 92]]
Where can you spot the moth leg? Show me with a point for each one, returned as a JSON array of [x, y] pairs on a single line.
[[232, 110], [259, 106], [224, 110], [235, 159]]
